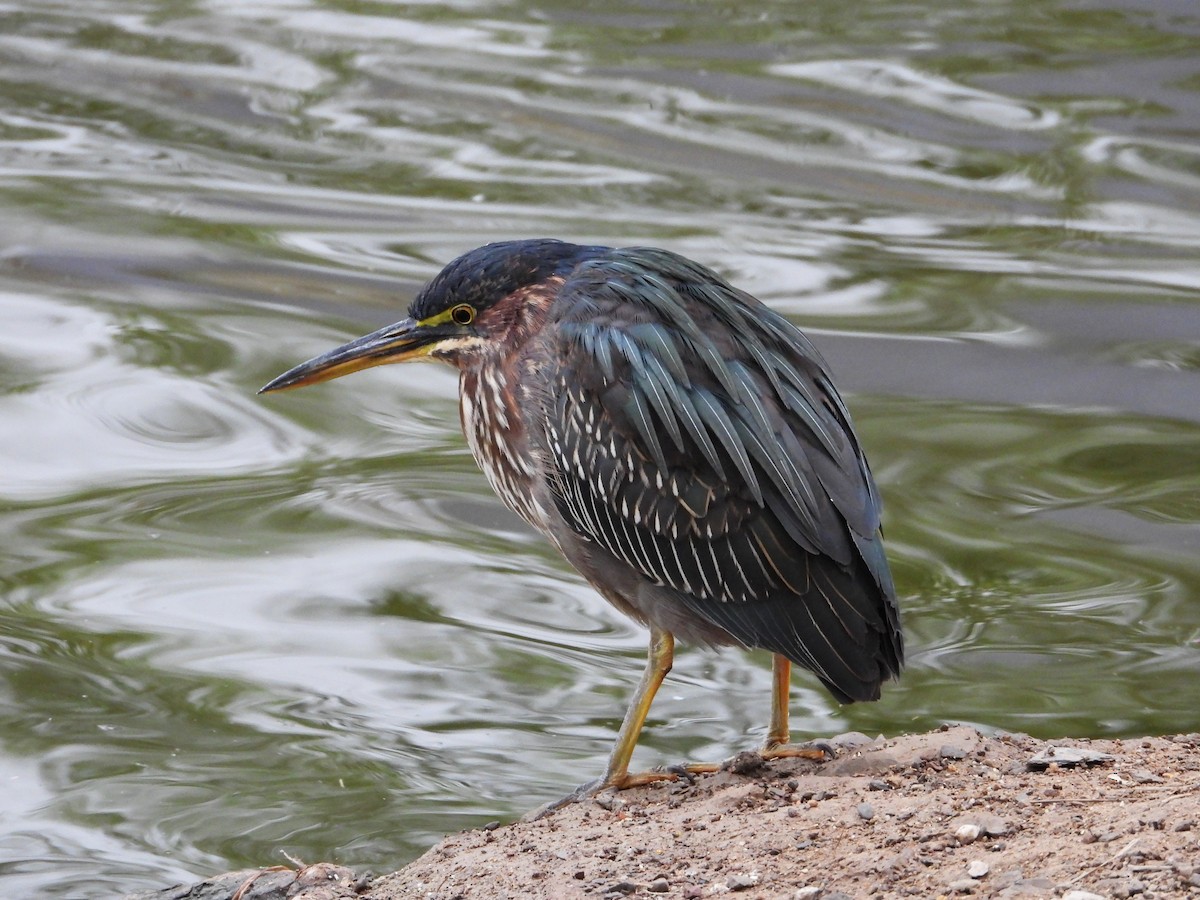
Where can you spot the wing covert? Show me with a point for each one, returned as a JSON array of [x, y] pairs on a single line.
[[695, 379], [693, 434]]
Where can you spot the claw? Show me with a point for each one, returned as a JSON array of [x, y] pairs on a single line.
[[683, 772], [818, 750]]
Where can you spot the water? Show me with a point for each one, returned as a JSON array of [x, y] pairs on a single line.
[[233, 626]]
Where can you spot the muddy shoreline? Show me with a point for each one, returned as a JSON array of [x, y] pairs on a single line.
[[949, 813]]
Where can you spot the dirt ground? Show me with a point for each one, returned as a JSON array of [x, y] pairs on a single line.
[[945, 814]]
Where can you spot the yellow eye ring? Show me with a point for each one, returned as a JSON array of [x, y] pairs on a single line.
[[463, 314]]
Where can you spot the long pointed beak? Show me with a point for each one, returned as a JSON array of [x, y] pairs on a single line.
[[396, 343]]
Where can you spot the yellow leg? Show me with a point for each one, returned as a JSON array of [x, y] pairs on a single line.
[[658, 664], [781, 687], [778, 743]]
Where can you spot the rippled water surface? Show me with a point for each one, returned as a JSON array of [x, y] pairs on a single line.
[[233, 626]]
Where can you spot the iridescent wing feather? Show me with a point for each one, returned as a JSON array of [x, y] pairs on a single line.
[[694, 434]]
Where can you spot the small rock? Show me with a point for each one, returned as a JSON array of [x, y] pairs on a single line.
[[492, 826], [1033, 888], [977, 869], [658, 886], [850, 739], [609, 800], [742, 882], [693, 892], [745, 763], [1081, 895], [1185, 825], [994, 826], [1006, 878], [622, 887], [949, 751], [866, 811], [963, 886], [807, 893], [1145, 776], [873, 763], [1066, 758], [878, 784], [967, 834], [1122, 888], [1194, 881]]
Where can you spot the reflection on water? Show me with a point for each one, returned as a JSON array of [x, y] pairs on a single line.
[[233, 626]]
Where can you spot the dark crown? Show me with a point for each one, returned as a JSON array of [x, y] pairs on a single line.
[[487, 274]]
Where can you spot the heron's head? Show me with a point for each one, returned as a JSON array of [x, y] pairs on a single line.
[[479, 304]]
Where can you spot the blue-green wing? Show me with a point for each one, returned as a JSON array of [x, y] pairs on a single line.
[[695, 435]]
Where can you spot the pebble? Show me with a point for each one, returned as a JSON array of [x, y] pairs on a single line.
[[1156, 820], [742, 882], [949, 751], [745, 763], [807, 893], [866, 811], [1145, 776], [1081, 895], [1130, 888], [967, 834], [1066, 758], [963, 886], [994, 826], [977, 869], [608, 800], [1029, 887], [850, 739], [622, 887], [658, 886], [1006, 878]]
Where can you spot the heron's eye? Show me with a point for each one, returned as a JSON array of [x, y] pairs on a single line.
[[463, 314]]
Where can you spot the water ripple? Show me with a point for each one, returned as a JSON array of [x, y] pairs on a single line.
[[303, 621], [136, 422], [896, 81]]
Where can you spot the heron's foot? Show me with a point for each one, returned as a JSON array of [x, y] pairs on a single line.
[[641, 779], [678, 772], [602, 790], [689, 771], [590, 789], [818, 750]]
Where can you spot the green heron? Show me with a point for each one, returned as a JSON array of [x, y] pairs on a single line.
[[679, 442]]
